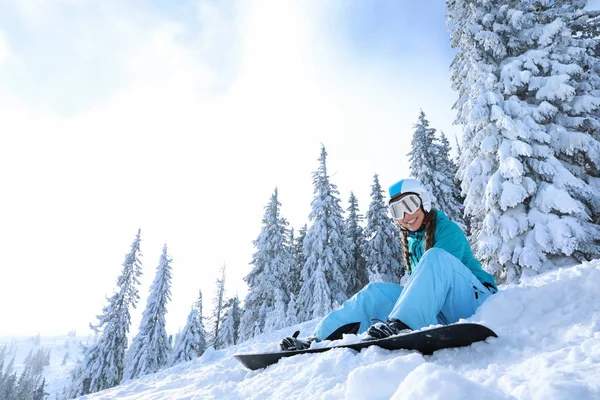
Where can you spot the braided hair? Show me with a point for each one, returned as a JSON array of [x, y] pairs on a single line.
[[430, 223]]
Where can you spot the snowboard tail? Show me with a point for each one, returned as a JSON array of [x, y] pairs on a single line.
[[425, 342]]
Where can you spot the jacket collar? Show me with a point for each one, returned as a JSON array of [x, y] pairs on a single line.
[[418, 235]]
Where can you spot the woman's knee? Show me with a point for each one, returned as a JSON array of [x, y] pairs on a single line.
[[436, 253], [432, 259], [378, 289]]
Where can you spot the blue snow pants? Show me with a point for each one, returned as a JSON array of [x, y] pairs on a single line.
[[440, 290]]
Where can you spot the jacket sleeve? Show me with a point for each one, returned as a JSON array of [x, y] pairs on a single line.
[[452, 239]]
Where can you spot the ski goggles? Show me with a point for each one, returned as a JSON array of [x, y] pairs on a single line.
[[408, 204]]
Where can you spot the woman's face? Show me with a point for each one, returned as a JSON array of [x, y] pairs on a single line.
[[412, 222]]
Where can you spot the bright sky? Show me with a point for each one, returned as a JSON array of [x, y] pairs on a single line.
[[181, 118]]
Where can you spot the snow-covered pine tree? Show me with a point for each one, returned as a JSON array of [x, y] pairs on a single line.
[[27, 383], [325, 249], [191, 341], [271, 262], [8, 382], [299, 259], [529, 100], [422, 156], [430, 163], [383, 250], [294, 275], [39, 392], [229, 332], [358, 275], [218, 310], [149, 351], [447, 185], [276, 319], [458, 150], [103, 362], [291, 314]]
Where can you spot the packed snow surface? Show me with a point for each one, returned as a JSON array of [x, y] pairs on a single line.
[[548, 348]]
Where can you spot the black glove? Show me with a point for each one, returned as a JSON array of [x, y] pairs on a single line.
[[382, 330], [293, 343]]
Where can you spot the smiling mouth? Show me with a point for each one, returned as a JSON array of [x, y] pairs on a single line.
[[412, 221]]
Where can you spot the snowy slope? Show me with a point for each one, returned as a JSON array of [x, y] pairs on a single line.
[[548, 348]]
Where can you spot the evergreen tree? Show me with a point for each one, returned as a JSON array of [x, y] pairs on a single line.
[[299, 260], [191, 342], [432, 166], [421, 156], [8, 382], [383, 249], [277, 318], [40, 391], [103, 362], [291, 314], [528, 101], [218, 310], [231, 321], [150, 348], [458, 150], [325, 249], [27, 383], [358, 275], [272, 263], [446, 184], [294, 275]]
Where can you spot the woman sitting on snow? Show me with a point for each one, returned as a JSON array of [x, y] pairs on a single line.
[[445, 281]]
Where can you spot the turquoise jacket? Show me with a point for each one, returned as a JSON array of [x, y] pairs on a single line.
[[449, 237]]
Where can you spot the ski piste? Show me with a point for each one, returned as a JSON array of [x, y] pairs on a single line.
[[425, 341]]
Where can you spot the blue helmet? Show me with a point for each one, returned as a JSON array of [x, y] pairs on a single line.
[[411, 186]]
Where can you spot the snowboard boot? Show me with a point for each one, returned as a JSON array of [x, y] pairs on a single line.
[[293, 343], [382, 330]]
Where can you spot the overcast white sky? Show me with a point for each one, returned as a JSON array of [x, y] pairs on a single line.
[[181, 118]]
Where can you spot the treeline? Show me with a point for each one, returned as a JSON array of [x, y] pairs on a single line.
[[110, 360], [27, 385]]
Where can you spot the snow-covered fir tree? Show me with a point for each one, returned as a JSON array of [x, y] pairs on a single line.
[[276, 319], [191, 341], [291, 314], [358, 275], [458, 150], [430, 163], [229, 332], [294, 275], [325, 249], [218, 311], [271, 263], [149, 351], [450, 200], [421, 156], [382, 247], [299, 260], [29, 384], [103, 362], [529, 103], [8, 380]]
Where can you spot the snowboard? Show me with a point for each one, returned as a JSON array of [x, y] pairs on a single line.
[[424, 341]]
